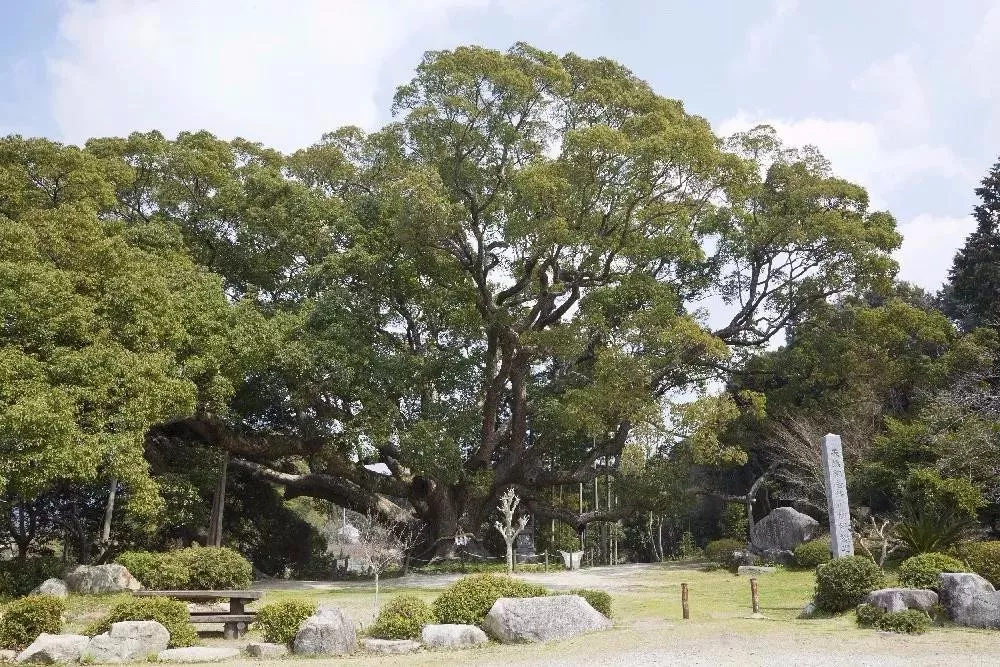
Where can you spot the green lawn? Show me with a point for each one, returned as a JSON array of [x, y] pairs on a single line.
[[649, 626]]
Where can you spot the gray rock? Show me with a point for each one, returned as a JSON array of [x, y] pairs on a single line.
[[56, 587], [808, 610], [754, 570], [266, 650], [197, 654], [900, 599], [50, 649], [452, 635], [100, 579], [970, 600], [520, 620], [783, 530], [778, 556], [6, 655], [128, 641], [390, 646], [327, 632]]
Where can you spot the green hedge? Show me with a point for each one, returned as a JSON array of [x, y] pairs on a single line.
[[20, 577], [841, 584], [599, 600], [721, 552], [171, 614], [908, 621], [468, 600], [810, 555], [402, 618], [983, 558], [923, 570], [279, 622], [195, 568], [23, 620]]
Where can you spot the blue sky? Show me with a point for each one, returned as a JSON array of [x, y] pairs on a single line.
[[902, 96]]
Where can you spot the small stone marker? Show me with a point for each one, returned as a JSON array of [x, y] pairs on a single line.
[[841, 538]]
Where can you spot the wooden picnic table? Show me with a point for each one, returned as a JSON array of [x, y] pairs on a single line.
[[235, 620]]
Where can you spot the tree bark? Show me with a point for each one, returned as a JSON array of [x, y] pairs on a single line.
[[218, 505]]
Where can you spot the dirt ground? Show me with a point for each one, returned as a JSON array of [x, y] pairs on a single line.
[[649, 631]]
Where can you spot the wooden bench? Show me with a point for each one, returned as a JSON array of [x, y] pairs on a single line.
[[235, 621]]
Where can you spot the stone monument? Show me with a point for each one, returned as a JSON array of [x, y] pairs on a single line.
[[841, 538]]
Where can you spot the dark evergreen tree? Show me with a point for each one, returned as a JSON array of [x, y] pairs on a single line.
[[972, 295]]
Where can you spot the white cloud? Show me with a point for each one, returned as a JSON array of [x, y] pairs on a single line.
[[896, 83], [275, 71], [858, 152], [984, 54], [929, 245], [763, 35]]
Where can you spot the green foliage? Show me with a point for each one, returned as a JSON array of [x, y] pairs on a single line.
[[469, 599], [932, 529], [195, 568], [841, 584], [868, 614], [721, 551], [278, 622], [926, 488], [812, 554], [908, 621], [599, 600], [733, 523], [983, 558], [24, 619], [688, 549], [157, 571], [20, 577], [922, 570], [171, 614], [218, 568], [402, 618]]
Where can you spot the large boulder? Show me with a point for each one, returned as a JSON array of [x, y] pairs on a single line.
[[327, 632], [192, 654], [970, 600], [56, 587], [543, 619], [52, 649], [101, 579], [783, 530], [900, 599], [128, 641], [452, 635]]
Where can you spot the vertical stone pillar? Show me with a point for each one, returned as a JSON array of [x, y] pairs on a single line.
[[842, 540]]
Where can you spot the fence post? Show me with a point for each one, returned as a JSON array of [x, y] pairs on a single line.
[[685, 608], [755, 595]]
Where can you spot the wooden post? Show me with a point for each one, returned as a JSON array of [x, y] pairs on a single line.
[[685, 608], [754, 595]]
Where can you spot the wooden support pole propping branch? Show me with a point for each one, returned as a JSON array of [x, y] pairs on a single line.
[[685, 607], [755, 595]]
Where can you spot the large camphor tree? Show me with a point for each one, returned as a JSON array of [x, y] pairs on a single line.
[[499, 288]]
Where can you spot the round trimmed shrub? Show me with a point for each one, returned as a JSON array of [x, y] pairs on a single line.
[[216, 568], [171, 614], [279, 622], [908, 621], [599, 600], [812, 554], [721, 551], [157, 571], [866, 614], [843, 583], [922, 570], [23, 620], [983, 558], [468, 600], [403, 618]]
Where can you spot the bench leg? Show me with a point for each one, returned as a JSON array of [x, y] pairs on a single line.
[[234, 630]]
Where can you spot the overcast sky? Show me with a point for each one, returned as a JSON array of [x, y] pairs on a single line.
[[902, 95]]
